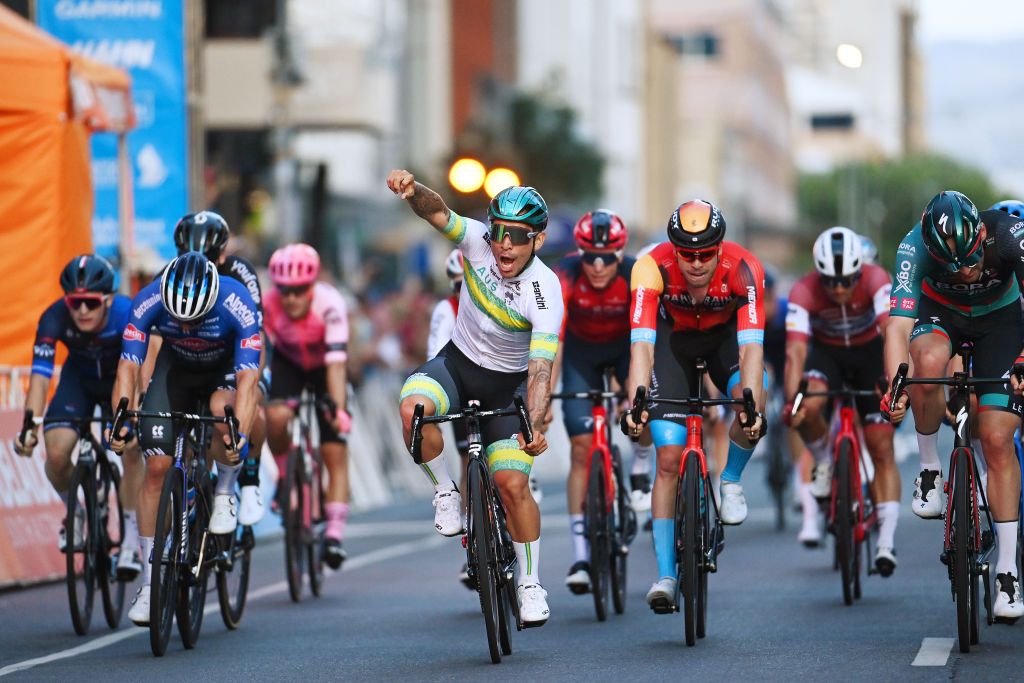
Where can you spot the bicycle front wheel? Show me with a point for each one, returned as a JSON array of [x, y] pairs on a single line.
[[963, 556], [81, 547], [166, 560], [843, 522], [233, 577], [688, 535], [291, 513], [111, 526], [194, 582], [597, 522], [624, 526], [481, 535], [317, 515]]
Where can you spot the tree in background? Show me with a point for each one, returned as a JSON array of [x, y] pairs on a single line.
[[884, 200]]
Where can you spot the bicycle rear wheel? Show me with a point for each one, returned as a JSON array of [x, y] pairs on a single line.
[[80, 558], [963, 556], [233, 577], [195, 574], [166, 557], [704, 504], [843, 522], [624, 528], [597, 522], [294, 547], [481, 536], [687, 545], [111, 524]]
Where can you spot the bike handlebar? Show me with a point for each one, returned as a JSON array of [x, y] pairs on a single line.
[[642, 398], [802, 393], [596, 396], [418, 420], [122, 414]]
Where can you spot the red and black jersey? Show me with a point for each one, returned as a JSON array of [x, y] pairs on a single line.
[[598, 316]]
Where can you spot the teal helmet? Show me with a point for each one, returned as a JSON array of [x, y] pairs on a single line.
[[520, 204], [951, 230]]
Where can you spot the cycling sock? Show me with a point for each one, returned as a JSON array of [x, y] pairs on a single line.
[[131, 531], [734, 464], [337, 516], [665, 547], [250, 474], [528, 555], [227, 475], [928, 446], [888, 515], [147, 558], [642, 459], [437, 472], [1006, 533], [580, 551], [819, 449]]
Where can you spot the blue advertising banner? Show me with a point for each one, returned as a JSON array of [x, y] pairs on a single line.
[[146, 38]]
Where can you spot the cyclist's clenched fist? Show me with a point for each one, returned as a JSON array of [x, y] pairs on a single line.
[[402, 183]]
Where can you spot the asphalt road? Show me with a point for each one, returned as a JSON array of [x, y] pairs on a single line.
[[396, 612]]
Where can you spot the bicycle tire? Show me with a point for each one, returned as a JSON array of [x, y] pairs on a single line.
[[843, 522], [624, 518], [80, 559], [233, 577], [486, 574], [962, 575], [315, 534], [687, 541], [596, 521], [112, 589], [192, 588], [166, 554], [705, 544], [294, 550], [507, 586]]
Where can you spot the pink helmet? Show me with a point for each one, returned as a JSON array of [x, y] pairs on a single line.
[[294, 265]]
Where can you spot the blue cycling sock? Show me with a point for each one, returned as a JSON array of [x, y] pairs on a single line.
[[738, 458], [665, 547]]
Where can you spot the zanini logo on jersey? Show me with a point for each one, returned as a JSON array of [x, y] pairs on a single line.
[[254, 342], [542, 304], [132, 333]]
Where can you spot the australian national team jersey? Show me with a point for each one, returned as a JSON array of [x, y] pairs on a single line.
[[503, 323], [1002, 276], [229, 333], [94, 354]]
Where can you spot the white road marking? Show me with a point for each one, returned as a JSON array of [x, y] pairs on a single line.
[[933, 652], [357, 562]]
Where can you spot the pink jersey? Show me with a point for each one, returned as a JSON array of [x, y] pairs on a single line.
[[316, 340]]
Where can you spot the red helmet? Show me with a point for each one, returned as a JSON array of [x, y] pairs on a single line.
[[600, 229]]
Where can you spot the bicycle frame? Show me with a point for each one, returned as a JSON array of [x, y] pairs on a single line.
[[848, 430]]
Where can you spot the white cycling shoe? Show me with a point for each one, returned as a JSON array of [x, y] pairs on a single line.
[[578, 579], [224, 519], [821, 481], [78, 535], [810, 534], [448, 513], [129, 563], [139, 612], [533, 604], [662, 596], [1008, 607], [733, 509], [885, 561], [927, 502], [250, 506]]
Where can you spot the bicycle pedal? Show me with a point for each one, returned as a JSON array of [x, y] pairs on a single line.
[[663, 607], [1009, 621]]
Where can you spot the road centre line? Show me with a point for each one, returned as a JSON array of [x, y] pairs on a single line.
[[933, 652]]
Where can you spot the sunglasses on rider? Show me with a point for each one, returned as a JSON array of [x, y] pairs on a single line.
[[846, 282], [90, 301], [603, 258], [518, 236], [702, 255], [298, 290]]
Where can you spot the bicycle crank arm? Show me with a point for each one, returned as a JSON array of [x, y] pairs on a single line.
[[202, 551]]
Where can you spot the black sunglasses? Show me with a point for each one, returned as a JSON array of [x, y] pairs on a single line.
[[91, 302], [848, 281], [299, 290], [518, 236], [605, 257]]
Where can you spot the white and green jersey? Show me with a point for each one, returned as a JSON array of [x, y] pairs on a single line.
[[503, 323]]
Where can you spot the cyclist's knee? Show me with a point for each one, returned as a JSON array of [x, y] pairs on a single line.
[[667, 461], [997, 446], [513, 486], [408, 408], [579, 447], [278, 416], [930, 358], [156, 466]]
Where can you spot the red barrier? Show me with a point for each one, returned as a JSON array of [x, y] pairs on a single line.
[[30, 513]]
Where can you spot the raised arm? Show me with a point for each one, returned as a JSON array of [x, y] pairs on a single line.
[[424, 202]]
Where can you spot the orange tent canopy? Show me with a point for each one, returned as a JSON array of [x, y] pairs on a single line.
[[50, 99]]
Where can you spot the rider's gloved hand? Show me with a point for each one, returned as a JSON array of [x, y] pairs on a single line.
[[756, 429], [894, 412], [787, 414], [342, 421], [630, 428], [535, 447], [241, 450], [1016, 382], [26, 447]]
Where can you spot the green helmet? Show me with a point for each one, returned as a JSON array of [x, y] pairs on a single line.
[[520, 204], [951, 215]]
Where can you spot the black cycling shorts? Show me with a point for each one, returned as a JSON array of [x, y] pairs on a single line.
[[450, 379], [997, 342], [675, 367], [583, 365], [78, 393], [287, 380], [857, 367]]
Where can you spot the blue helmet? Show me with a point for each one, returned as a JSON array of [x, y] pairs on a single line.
[[1014, 207], [868, 250], [87, 273], [189, 286], [520, 204]]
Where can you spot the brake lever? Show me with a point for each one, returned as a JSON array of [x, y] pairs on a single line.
[[526, 429]]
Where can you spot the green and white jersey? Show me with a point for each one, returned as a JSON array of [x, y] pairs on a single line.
[[503, 323]]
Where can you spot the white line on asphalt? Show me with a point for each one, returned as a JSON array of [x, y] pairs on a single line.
[[933, 652], [357, 562]]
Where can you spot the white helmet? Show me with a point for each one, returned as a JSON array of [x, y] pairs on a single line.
[[838, 252], [189, 286], [453, 264]]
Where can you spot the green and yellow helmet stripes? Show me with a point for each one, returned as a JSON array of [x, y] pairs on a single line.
[[520, 204], [951, 230]]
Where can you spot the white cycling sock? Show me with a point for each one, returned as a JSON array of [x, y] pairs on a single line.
[[580, 551], [227, 475], [928, 446], [642, 459], [437, 472], [131, 531], [528, 555], [888, 515], [820, 450], [1006, 561], [147, 558]]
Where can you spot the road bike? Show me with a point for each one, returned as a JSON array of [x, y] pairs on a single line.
[[490, 556], [778, 468], [609, 520], [184, 549], [93, 508], [699, 536]]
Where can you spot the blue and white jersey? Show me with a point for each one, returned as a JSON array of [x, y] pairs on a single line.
[[95, 354]]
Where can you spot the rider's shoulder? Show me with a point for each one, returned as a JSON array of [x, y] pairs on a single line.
[[912, 243], [1000, 224], [229, 287]]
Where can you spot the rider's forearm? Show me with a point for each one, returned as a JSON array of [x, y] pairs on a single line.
[[641, 362], [149, 364], [429, 206], [796, 360], [337, 384], [897, 344], [245, 404], [124, 384], [752, 370], [538, 391], [556, 368], [35, 400]]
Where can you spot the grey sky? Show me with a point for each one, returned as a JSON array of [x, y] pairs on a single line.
[[968, 20]]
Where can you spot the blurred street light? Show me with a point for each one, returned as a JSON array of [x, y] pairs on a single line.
[[467, 175], [498, 179], [849, 56]]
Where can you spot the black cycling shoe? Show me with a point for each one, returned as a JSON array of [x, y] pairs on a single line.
[[640, 482], [334, 554], [578, 579], [465, 578]]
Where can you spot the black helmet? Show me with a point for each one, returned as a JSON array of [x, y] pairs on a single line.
[[206, 232], [87, 273], [951, 215], [696, 224]]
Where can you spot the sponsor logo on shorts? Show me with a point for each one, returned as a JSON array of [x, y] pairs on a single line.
[[132, 333]]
